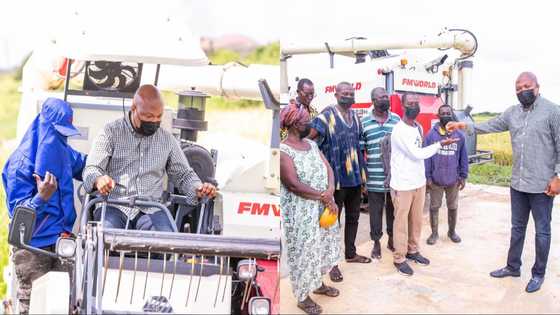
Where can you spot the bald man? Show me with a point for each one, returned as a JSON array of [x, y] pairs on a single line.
[[131, 156], [534, 126]]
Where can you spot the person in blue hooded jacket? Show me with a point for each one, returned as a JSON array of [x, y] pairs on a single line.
[[39, 175], [446, 173]]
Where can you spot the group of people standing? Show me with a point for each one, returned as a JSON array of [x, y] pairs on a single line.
[[332, 158]]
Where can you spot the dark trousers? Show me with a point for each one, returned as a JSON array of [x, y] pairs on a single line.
[[350, 198], [376, 202], [116, 219], [29, 267], [540, 206]]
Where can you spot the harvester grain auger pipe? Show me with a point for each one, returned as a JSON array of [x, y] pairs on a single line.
[[461, 40]]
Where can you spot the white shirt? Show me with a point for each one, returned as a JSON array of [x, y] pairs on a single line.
[[407, 157]]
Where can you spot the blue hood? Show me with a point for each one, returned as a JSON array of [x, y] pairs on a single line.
[[44, 148]]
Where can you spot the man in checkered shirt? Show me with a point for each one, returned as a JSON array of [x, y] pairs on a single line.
[[534, 127], [131, 156]]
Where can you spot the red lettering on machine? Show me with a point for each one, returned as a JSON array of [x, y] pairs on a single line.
[[419, 83], [255, 208]]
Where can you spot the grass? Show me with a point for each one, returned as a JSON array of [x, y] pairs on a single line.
[[500, 143], [490, 174], [499, 172], [9, 100]]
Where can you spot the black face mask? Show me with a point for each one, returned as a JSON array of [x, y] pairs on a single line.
[[306, 131], [526, 98], [382, 105], [147, 128], [346, 101], [412, 111], [444, 119]]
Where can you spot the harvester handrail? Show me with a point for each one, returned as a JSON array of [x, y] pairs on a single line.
[[126, 201], [191, 243]]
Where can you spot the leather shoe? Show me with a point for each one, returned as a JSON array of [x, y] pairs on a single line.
[[376, 251], [505, 272], [534, 284]]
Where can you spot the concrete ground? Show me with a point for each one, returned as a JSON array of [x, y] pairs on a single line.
[[457, 279]]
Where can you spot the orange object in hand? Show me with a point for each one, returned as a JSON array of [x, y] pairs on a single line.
[[327, 218]]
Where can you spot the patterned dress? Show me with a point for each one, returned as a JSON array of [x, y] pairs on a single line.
[[311, 250]]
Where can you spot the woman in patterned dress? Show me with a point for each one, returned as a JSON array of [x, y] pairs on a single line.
[[307, 188]]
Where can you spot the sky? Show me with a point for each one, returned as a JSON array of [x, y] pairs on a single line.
[[513, 36]]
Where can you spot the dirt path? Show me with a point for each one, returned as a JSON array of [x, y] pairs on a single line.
[[457, 280]]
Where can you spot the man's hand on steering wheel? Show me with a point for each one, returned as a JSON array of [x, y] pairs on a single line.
[[206, 190]]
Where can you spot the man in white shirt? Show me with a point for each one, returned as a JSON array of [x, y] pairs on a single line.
[[408, 184]]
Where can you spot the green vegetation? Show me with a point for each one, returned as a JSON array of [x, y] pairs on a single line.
[[269, 54], [9, 100], [490, 174], [3, 238], [499, 172]]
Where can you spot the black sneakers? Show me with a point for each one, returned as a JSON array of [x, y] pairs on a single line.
[[404, 269], [419, 259]]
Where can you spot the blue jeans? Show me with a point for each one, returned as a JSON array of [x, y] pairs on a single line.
[[115, 219], [540, 206]]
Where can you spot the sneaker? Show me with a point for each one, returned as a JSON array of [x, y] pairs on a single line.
[[419, 259], [404, 269]]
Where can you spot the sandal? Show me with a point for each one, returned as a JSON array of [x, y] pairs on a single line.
[[310, 307], [328, 291], [359, 259], [335, 274]]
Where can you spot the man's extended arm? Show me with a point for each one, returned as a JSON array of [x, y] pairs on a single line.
[[408, 147], [496, 124]]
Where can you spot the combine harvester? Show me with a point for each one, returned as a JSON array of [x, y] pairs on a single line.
[[223, 256], [438, 81]]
